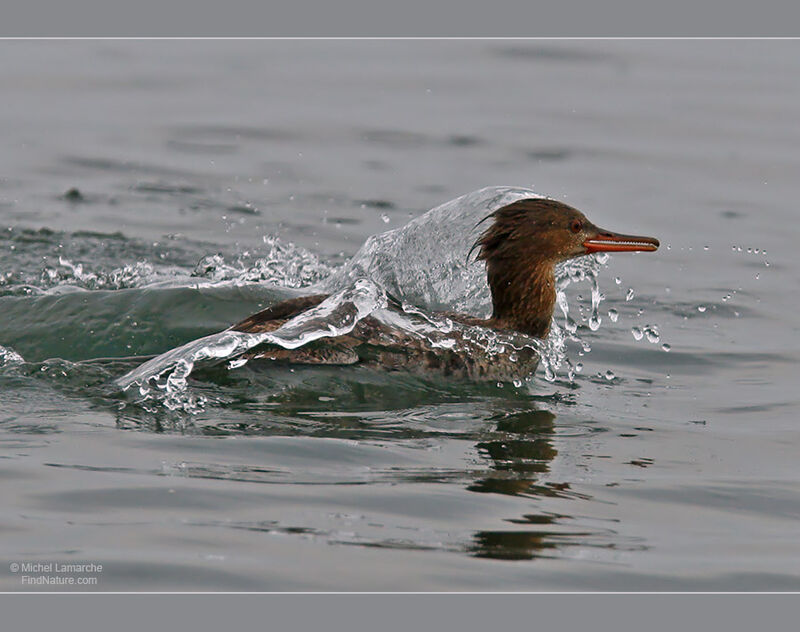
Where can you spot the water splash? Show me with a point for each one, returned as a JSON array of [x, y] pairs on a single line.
[[553, 351], [426, 262], [138, 274], [595, 320], [91, 262], [9, 357], [284, 264], [164, 378], [424, 266]]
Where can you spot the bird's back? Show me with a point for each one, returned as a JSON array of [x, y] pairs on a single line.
[[380, 345]]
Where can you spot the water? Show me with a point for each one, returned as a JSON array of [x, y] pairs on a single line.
[[153, 193]]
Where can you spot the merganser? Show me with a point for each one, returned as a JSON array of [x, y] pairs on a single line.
[[521, 246]]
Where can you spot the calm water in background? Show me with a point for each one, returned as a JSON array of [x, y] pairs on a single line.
[[655, 469]]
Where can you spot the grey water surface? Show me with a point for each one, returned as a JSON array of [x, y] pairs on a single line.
[[152, 192]]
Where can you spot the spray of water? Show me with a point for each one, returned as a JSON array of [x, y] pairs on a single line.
[[425, 265], [164, 377], [9, 357]]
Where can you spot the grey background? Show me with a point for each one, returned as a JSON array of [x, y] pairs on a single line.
[[398, 612], [410, 18]]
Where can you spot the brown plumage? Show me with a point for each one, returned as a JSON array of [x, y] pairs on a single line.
[[521, 247]]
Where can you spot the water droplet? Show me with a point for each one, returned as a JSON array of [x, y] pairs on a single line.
[[705, 247], [651, 331], [597, 297], [758, 275], [629, 295], [517, 383], [701, 308], [613, 315], [666, 347], [637, 333], [609, 375], [385, 218], [500, 385], [601, 257], [617, 280], [766, 263], [579, 367]]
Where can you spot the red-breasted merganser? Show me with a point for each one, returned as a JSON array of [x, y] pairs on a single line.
[[521, 247]]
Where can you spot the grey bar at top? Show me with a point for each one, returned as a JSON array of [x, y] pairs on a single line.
[[400, 18]]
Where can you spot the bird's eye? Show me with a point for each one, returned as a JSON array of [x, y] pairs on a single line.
[[576, 226]]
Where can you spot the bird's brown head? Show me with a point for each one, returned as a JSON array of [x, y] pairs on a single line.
[[521, 247]]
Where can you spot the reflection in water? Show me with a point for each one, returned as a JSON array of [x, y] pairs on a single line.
[[512, 545], [513, 437], [524, 451]]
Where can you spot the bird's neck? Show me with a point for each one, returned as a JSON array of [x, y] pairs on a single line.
[[523, 295]]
